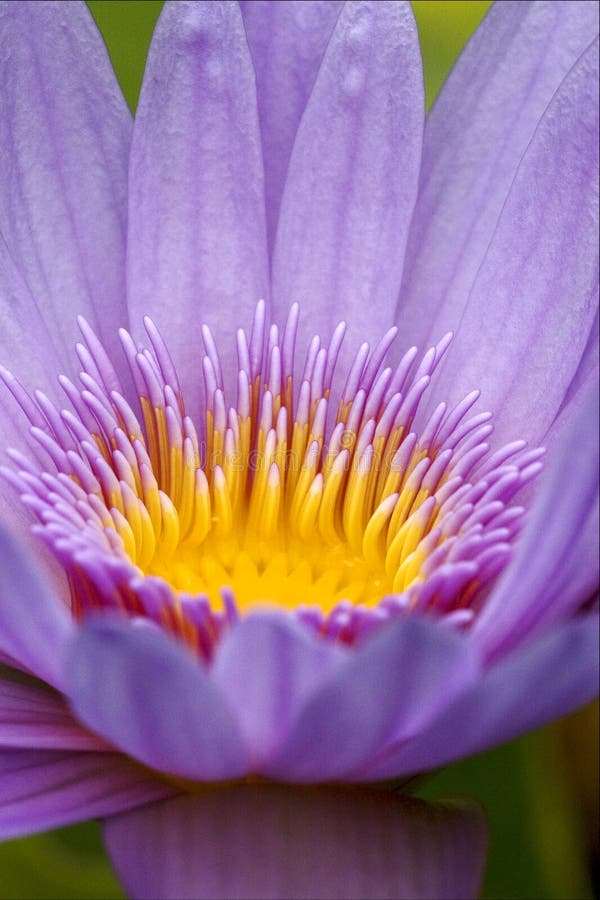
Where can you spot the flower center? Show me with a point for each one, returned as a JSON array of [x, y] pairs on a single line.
[[346, 511]]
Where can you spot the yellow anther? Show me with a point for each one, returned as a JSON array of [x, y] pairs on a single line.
[[169, 536], [373, 545], [201, 517], [271, 501], [222, 503], [310, 508], [296, 456], [329, 512], [408, 572], [186, 503], [307, 473], [354, 505], [146, 555], [123, 529], [408, 537]]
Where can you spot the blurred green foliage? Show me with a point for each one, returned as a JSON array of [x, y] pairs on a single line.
[[538, 830], [127, 27], [444, 28]]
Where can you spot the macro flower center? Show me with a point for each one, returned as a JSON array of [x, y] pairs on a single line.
[[336, 499]]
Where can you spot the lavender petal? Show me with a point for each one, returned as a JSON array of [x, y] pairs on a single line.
[[267, 667], [352, 177], [34, 624], [389, 689], [475, 137], [536, 285], [555, 567], [546, 678], [276, 841], [32, 717], [42, 789], [64, 144], [197, 240], [150, 698], [287, 42]]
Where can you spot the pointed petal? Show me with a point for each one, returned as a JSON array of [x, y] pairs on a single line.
[[277, 842], [41, 789], [267, 667], [146, 695], [529, 314], [555, 567], [34, 624], [546, 678], [33, 717], [352, 178], [64, 143], [287, 42], [475, 137], [197, 241], [391, 688]]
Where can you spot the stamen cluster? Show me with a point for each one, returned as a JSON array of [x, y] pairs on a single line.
[[345, 512]]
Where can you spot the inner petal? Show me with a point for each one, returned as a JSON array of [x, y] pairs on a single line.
[[344, 509]]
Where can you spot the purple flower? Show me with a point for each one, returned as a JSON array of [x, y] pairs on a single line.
[[260, 554]]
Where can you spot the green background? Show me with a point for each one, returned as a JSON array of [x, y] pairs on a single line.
[[540, 792]]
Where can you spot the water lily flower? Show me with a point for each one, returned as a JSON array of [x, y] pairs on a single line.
[[281, 360]]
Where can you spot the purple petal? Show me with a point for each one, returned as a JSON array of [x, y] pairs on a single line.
[[41, 789], [146, 695], [547, 678], [530, 311], [276, 841], [36, 718], [287, 42], [353, 174], [34, 623], [267, 667], [390, 688], [555, 567], [585, 376], [197, 241], [64, 144], [10, 661], [475, 137], [16, 518], [20, 317], [23, 327]]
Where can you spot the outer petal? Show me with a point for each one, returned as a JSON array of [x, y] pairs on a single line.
[[475, 137], [585, 376], [555, 568], [22, 329], [267, 667], [142, 692], [36, 718], [389, 689], [529, 314], [41, 789], [275, 841], [353, 173], [34, 624], [64, 143], [547, 678], [287, 42], [28, 349], [197, 240]]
